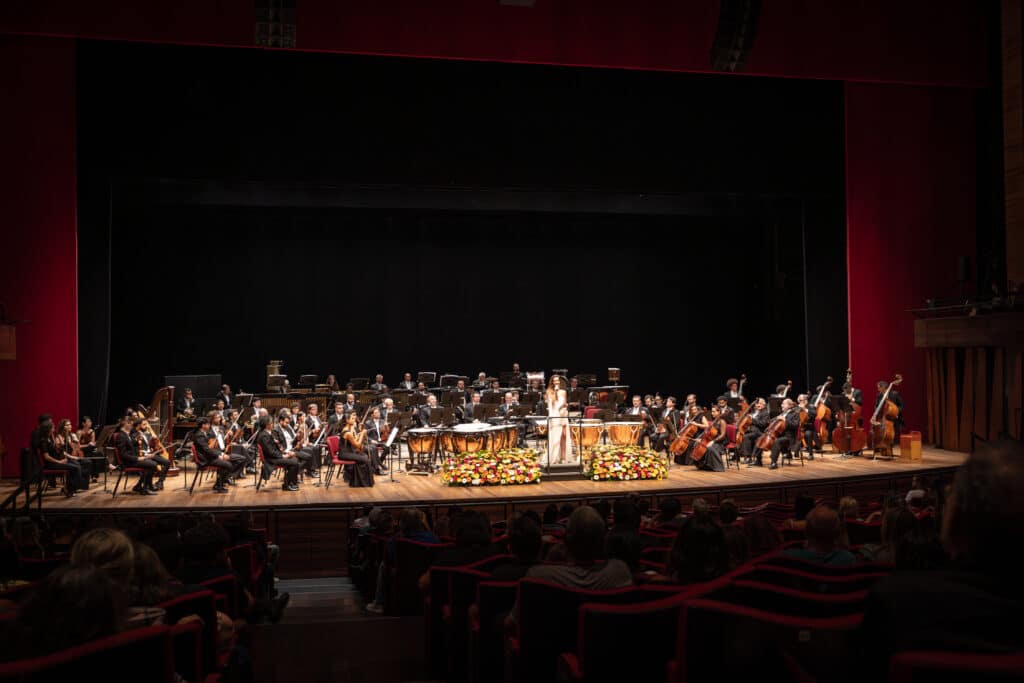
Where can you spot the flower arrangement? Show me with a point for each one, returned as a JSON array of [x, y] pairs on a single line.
[[487, 468], [623, 463]]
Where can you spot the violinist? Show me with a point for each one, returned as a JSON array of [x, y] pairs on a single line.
[[127, 447], [353, 447], [808, 436], [58, 459], [291, 440], [376, 435], [313, 421], [895, 397], [349, 406], [336, 422], [691, 400], [86, 436], [789, 438], [213, 455], [666, 426], [274, 455], [758, 423], [219, 406], [144, 437]]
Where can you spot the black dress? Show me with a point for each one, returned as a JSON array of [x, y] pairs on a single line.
[[713, 458], [361, 473]]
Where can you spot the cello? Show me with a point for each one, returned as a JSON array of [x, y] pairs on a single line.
[[848, 436], [883, 421], [685, 434], [706, 439], [744, 406], [823, 414], [775, 429]]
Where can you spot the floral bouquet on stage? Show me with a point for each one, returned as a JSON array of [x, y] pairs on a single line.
[[623, 463], [486, 468]]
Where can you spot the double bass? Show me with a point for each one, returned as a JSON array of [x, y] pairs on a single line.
[[848, 437], [823, 414], [883, 420], [744, 405]]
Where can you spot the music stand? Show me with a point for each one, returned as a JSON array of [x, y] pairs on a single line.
[[588, 379], [735, 404], [308, 380], [485, 411], [427, 378], [491, 397], [400, 397], [389, 445], [275, 382], [508, 379], [359, 383]]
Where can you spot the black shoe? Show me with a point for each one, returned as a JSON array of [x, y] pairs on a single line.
[[147, 492], [219, 489], [137, 488], [810, 456], [315, 474], [293, 487], [773, 466]]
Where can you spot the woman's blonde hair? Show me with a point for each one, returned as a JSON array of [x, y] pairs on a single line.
[[107, 549]]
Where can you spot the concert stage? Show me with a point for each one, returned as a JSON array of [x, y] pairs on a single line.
[[827, 476]]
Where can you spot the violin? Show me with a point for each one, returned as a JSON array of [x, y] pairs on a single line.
[[883, 420], [848, 437], [823, 414]]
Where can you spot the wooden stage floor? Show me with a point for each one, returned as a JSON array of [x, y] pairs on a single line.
[[823, 474]]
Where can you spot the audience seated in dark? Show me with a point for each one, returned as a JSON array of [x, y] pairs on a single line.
[[802, 506], [762, 536], [72, 606], [976, 604], [624, 541], [897, 523], [26, 539], [823, 530], [584, 541], [735, 539], [524, 542], [151, 582], [669, 513], [699, 552], [472, 531]]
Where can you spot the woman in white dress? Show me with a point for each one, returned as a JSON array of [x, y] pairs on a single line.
[[558, 420]]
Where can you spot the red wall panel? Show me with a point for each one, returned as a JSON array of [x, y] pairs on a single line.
[[910, 212], [38, 271]]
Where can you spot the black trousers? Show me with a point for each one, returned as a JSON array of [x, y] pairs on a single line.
[[291, 472], [310, 458], [749, 443], [164, 463], [76, 478], [782, 444], [224, 468], [811, 439], [148, 467]]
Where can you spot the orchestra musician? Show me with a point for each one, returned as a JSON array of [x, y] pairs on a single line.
[[638, 410], [809, 438], [853, 395], [186, 406], [58, 457], [713, 460], [388, 409], [131, 456], [287, 437], [667, 426], [789, 437], [895, 397], [407, 382], [471, 411], [481, 381], [353, 447], [297, 417], [274, 455], [694, 413], [214, 456], [142, 435], [758, 423], [313, 421], [68, 448], [725, 411], [495, 389], [378, 384], [505, 409], [423, 414], [86, 436], [517, 376], [336, 421], [225, 395], [349, 405], [219, 406], [377, 434], [421, 389], [332, 383]]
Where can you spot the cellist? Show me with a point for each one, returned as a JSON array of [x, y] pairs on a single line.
[[895, 397], [758, 423], [666, 426], [789, 437]]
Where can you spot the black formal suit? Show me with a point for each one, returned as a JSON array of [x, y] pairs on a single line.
[[505, 409], [423, 415], [211, 457], [273, 455], [788, 440], [660, 440], [128, 451], [478, 385], [308, 455], [223, 397], [472, 411], [335, 423], [379, 388], [858, 397], [183, 404], [647, 431], [758, 423], [158, 459], [410, 385], [349, 408]]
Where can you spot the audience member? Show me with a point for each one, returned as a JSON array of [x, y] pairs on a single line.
[[802, 506], [670, 513], [762, 536], [624, 541], [699, 552], [823, 530], [584, 541], [25, 538], [972, 604], [728, 512], [897, 523], [524, 541]]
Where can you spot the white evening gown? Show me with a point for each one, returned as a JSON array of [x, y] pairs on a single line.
[[559, 446]]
